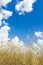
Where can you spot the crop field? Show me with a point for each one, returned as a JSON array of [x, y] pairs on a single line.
[[13, 56]]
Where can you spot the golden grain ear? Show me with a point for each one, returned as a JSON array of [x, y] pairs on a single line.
[[13, 58]]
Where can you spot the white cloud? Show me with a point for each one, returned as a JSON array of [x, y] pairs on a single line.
[[40, 42], [1, 16], [18, 44], [39, 34], [24, 6], [4, 2], [17, 41], [4, 33], [4, 15], [0, 23]]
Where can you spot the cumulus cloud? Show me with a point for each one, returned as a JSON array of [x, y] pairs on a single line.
[[20, 45], [17, 41], [4, 15], [4, 33], [4, 2], [24, 6]]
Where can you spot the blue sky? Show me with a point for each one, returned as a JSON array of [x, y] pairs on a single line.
[[21, 22], [22, 25], [27, 23]]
